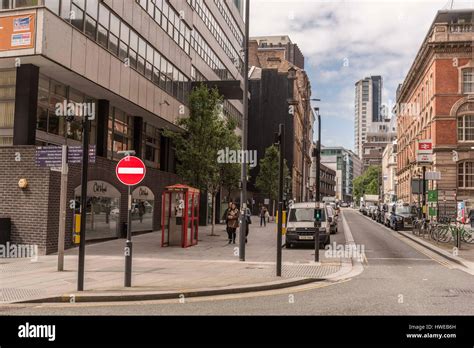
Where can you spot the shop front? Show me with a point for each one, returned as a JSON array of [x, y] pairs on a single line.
[[143, 207], [103, 210]]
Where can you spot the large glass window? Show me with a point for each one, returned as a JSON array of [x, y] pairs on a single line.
[[120, 132], [50, 93], [152, 145], [7, 97], [466, 175]]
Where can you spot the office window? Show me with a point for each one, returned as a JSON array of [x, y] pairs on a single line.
[[78, 19], [468, 80], [26, 3], [53, 5]]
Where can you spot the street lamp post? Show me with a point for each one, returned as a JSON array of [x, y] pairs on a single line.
[[318, 186], [243, 193]]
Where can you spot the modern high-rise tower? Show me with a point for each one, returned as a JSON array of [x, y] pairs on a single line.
[[368, 102]]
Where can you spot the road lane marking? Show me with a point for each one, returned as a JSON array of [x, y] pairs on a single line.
[[415, 246]]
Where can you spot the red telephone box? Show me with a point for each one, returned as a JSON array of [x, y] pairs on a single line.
[[180, 216]]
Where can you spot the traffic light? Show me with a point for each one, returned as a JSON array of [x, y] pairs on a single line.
[[317, 214]]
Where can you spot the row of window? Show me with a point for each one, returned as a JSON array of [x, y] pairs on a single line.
[[203, 11], [100, 24], [229, 19], [203, 49], [169, 20]]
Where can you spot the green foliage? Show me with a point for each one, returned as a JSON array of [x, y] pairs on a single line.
[[367, 183], [267, 180], [205, 133]]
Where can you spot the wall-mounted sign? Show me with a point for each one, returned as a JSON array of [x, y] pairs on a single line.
[[143, 193], [98, 188], [51, 156], [17, 32]]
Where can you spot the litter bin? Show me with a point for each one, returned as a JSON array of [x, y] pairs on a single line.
[[5, 230]]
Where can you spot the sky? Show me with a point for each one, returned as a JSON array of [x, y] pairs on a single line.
[[347, 40]]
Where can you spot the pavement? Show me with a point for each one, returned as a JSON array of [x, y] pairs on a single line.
[[210, 268]]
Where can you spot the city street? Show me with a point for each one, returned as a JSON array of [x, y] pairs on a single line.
[[399, 278]]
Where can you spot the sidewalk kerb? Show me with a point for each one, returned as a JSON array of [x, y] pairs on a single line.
[[167, 295], [435, 249]]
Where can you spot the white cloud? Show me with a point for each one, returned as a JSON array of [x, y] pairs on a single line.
[[373, 37]]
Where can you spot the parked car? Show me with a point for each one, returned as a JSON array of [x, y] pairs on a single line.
[[335, 216], [402, 217], [371, 211], [344, 205], [380, 213], [387, 213], [300, 226], [363, 209]]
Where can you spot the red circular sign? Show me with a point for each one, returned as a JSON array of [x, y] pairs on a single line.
[[130, 170]]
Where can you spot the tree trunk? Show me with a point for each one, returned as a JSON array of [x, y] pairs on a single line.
[[213, 214]]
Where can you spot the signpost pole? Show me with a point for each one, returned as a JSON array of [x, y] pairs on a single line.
[[85, 165], [128, 244], [130, 171], [423, 193], [62, 208], [281, 136]]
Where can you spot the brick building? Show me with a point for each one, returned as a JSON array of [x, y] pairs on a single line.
[[134, 62], [328, 181], [436, 101], [280, 93]]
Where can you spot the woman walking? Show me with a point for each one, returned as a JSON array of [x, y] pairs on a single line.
[[232, 222], [263, 218]]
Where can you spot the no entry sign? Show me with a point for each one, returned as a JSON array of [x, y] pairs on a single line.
[[130, 170]]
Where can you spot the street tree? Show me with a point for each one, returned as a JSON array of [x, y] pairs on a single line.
[[267, 180], [368, 183], [205, 133]]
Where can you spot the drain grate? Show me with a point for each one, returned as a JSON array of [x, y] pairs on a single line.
[[309, 271], [8, 295], [461, 292]]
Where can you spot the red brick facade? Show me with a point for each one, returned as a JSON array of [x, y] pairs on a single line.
[[433, 90]]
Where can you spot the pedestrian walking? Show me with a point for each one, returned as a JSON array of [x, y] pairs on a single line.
[[471, 217], [141, 210], [263, 220], [248, 217], [267, 215], [232, 222]]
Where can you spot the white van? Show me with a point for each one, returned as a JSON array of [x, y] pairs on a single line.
[[300, 225]]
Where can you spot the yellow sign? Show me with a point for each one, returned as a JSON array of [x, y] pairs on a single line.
[[77, 229], [283, 229]]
